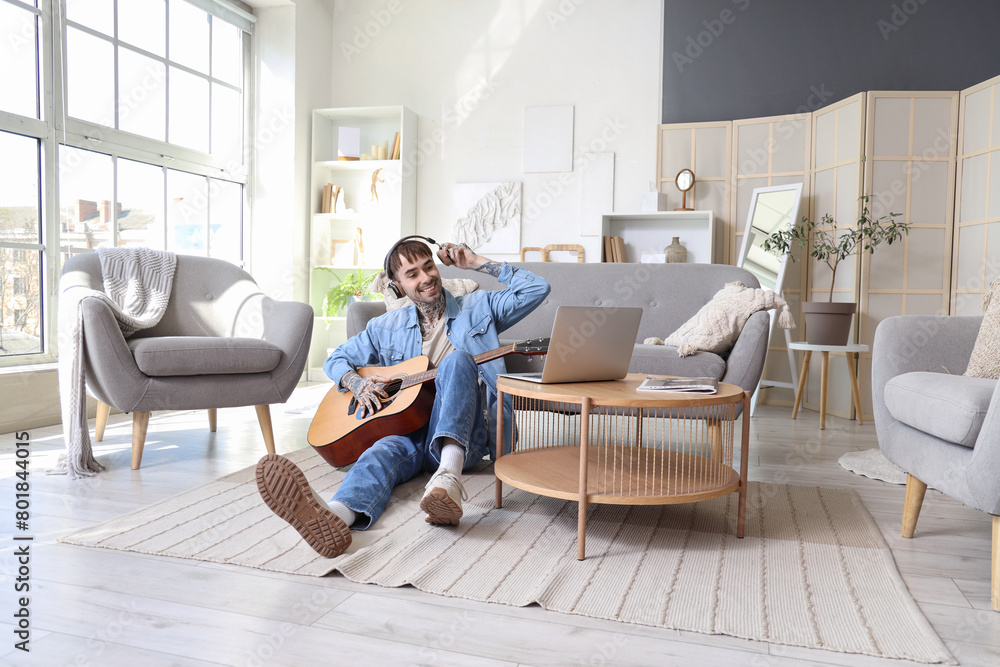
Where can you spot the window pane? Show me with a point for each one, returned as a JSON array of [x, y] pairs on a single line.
[[90, 78], [226, 213], [188, 36], [143, 23], [19, 196], [18, 45], [96, 14], [85, 192], [20, 296], [187, 212], [140, 190], [142, 95], [188, 110], [227, 52], [227, 124]]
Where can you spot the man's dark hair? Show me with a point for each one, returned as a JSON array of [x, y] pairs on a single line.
[[411, 250]]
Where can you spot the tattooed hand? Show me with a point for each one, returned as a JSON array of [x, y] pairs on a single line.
[[462, 256], [369, 392]]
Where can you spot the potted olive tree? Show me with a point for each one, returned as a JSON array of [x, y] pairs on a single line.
[[351, 287], [829, 323]]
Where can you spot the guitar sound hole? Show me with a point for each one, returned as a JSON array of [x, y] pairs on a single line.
[[392, 388]]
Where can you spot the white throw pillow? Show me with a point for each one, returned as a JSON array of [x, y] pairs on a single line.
[[456, 286], [718, 324]]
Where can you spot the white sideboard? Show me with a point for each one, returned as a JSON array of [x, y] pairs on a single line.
[[652, 232]]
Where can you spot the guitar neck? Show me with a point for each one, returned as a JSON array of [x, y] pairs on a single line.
[[428, 375]]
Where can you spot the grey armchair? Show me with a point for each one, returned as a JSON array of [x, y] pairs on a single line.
[[221, 343], [939, 426]]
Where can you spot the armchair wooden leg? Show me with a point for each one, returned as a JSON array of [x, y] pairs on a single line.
[[140, 422], [911, 504], [264, 417], [103, 409], [213, 415], [995, 570]]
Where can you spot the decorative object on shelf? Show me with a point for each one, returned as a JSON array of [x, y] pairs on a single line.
[[684, 182], [653, 201], [342, 252], [394, 155], [376, 180], [488, 216], [359, 247], [348, 143], [564, 247], [676, 253], [352, 287], [331, 193], [829, 323]]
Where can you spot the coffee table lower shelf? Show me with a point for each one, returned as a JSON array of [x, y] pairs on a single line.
[[608, 443]]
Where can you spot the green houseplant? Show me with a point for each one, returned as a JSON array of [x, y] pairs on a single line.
[[832, 245], [353, 286]]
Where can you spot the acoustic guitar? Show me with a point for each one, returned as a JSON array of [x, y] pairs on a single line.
[[340, 437]]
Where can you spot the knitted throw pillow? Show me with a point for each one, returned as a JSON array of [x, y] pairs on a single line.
[[985, 359], [718, 324], [456, 286]]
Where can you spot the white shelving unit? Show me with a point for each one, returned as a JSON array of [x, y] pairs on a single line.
[[376, 223], [653, 231]]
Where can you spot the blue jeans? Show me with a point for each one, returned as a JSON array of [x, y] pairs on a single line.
[[457, 414]]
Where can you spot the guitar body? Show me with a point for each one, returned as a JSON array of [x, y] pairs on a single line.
[[341, 438]]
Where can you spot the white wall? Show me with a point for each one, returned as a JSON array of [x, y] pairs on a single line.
[[292, 78], [468, 69]]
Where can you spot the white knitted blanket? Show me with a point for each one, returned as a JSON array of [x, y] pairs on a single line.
[[137, 284]]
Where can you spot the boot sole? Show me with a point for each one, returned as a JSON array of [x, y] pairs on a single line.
[[286, 492]]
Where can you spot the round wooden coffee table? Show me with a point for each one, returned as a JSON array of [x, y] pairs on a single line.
[[634, 447]]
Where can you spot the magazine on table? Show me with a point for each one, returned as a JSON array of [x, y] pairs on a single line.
[[690, 385]]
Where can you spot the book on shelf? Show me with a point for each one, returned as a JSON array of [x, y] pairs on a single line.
[[619, 249], [607, 249], [326, 203], [689, 385], [394, 155]]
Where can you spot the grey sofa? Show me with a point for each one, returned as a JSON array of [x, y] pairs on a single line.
[[939, 426], [669, 295], [221, 343]]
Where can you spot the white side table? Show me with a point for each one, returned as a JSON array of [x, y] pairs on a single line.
[[851, 354]]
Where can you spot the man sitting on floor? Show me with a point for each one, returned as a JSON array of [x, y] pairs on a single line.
[[450, 331]]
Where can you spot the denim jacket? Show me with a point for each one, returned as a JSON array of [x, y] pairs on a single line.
[[474, 324]]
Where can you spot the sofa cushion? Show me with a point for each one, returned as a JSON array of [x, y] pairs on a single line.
[[950, 407], [717, 325], [985, 359], [164, 356]]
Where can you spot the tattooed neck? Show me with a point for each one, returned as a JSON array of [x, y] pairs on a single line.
[[429, 314], [492, 268]]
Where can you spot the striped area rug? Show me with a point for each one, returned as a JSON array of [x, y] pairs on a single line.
[[813, 569]]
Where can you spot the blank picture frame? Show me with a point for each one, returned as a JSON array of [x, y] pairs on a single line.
[[548, 139]]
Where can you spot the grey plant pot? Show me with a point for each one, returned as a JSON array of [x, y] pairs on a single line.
[[828, 323]]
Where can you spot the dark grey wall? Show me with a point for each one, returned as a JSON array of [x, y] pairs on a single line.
[[732, 59]]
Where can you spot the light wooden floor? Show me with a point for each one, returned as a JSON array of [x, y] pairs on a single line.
[[97, 607]]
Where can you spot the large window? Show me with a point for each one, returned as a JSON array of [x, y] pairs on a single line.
[[122, 123]]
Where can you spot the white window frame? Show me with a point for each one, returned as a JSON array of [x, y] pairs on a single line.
[[55, 128]]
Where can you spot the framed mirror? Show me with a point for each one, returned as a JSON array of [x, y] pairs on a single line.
[[771, 209]]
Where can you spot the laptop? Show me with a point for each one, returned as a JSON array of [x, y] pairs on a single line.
[[588, 344]]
